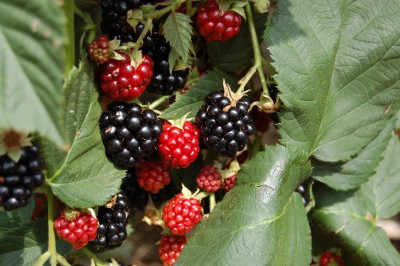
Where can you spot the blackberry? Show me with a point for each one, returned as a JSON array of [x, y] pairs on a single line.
[[19, 179], [163, 82], [138, 197], [112, 223], [114, 19], [225, 128], [129, 133], [301, 189]]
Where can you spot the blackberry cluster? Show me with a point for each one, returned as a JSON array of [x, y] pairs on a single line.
[[225, 131], [114, 19], [19, 179], [129, 133], [163, 82], [138, 197], [112, 223]]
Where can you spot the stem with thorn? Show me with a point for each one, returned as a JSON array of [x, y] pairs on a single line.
[[158, 101], [93, 256], [161, 12]]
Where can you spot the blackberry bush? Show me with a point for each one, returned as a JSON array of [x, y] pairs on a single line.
[[250, 106]]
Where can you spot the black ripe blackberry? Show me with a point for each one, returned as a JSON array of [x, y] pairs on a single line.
[[163, 82], [113, 218], [139, 198], [225, 128], [19, 179], [129, 133], [301, 189], [114, 19]]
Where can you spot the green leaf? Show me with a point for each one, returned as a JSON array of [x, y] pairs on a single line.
[[260, 221], [352, 215], [339, 73], [23, 240], [384, 185], [52, 155], [32, 40], [191, 101], [350, 175], [238, 51], [178, 32], [86, 178]]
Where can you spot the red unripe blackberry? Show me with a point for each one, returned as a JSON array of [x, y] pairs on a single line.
[[99, 50], [77, 230], [182, 214], [123, 81], [223, 127], [19, 179], [170, 248], [209, 179], [229, 182], [129, 133], [152, 176], [215, 24], [179, 148], [329, 258], [113, 218]]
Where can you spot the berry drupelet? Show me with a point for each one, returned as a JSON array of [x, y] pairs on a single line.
[[19, 179], [163, 82], [225, 127], [152, 176], [113, 218], [129, 133]]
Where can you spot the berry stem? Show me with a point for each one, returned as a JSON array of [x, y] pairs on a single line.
[[256, 49], [246, 78], [61, 260], [42, 259], [189, 8], [161, 12], [90, 26], [52, 237], [97, 260], [212, 201], [159, 101], [70, 46]]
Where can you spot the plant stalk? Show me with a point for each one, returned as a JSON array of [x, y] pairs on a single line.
[[256, 49], [147, 27], [212, 201], [158, 101], [93, 256], [52, 237], [161, 12]]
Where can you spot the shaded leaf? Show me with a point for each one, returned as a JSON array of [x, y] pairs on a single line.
[[32, 40], [260, 220], [339, 73]]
